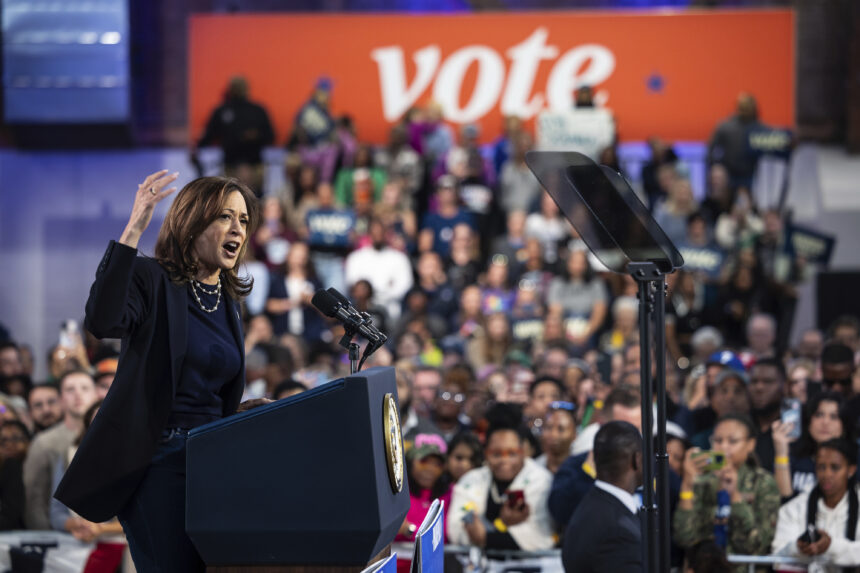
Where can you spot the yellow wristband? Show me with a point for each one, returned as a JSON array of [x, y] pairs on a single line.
[[500, 525], [781, 460], [686, 495], [586, 467]]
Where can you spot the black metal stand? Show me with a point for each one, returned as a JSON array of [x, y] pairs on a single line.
[[652, 317], [353, 357], [352, 348]]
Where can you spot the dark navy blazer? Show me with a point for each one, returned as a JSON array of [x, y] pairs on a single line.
[[134, 299]]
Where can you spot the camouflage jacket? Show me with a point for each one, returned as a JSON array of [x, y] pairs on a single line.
[[752, 522]]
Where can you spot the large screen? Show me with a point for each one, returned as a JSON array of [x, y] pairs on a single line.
[[65, 62]]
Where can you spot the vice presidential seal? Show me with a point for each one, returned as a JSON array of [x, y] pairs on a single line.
[[393, 442]]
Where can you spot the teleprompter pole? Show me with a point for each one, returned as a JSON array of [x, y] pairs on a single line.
[[654, 516]]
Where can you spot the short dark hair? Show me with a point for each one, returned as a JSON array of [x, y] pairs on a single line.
[[10, 344], [848, 320], [471, 441], [741, 419], [503, 417], [708, 557], [19, 425], [623, 395], [614, 447], [71, 372], [35, 387], [836, 353], [24, 379], [771, 361], [842, 446], [288, 386], [546, 379]]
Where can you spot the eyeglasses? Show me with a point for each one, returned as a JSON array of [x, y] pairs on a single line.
[[499, 454], [448, 396]]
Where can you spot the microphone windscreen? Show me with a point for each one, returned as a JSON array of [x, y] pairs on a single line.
[[325, 302], [340, 298]]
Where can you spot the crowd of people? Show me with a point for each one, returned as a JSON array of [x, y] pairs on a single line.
[[516, 353]]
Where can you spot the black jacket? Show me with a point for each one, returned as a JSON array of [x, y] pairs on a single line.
[[133, 298], [602, 536]]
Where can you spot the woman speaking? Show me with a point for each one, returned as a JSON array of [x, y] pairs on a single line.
[[182, 362]]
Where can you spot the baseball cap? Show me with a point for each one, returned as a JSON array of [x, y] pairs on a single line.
[[106, 366], [726, 358], [427, 445]]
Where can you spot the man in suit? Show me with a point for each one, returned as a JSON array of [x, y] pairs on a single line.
[[604, 533]]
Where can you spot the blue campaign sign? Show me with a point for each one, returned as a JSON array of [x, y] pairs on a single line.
[[766, 140], [329, 227], [708, 260], [429, 554], [811, 244]]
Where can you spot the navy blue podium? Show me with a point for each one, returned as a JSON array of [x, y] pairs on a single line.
[[313, 480]]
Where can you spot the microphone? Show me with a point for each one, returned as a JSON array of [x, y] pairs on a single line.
[[363, 316], [330, 306]]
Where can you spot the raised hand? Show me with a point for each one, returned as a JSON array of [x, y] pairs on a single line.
[[149, 194]]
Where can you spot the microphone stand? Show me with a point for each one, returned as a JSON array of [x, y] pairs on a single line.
[[352, 347]]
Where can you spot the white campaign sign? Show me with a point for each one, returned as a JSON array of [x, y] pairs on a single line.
[[588, 64], [588, 131]]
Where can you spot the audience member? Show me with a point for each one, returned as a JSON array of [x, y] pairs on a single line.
[[44, 405], [604, 533], [735, 505], [465, 453], [581, 298], [105, 371], [425, 471], [387, 269], [794, 464], [10, 359], [822, 524], [767, 390], [77, 394], [557, 434], [503, 504], [242, 129]]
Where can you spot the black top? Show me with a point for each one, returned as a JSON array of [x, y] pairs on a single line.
[[242, 128], [496, 539], [134, 299], [603, 535], [211, 361]]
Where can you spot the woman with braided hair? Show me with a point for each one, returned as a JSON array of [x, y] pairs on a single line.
[[822, 524]]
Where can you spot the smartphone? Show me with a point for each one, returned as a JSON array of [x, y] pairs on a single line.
[[69, 334], [716, 460], [790, 414], [810, 535], [516, 498]]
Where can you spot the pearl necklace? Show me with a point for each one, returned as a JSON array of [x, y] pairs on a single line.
[[197, 285]]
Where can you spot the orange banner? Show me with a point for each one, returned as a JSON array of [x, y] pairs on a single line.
[[672, 74]]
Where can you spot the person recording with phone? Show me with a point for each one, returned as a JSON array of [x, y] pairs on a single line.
[[725, 496], [503, 505], [822, 524], [182, 362], [794, 463]]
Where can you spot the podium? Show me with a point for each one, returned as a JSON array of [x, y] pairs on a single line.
[[314, 482]]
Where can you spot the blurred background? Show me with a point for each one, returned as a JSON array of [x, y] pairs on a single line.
[[97, 94]]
